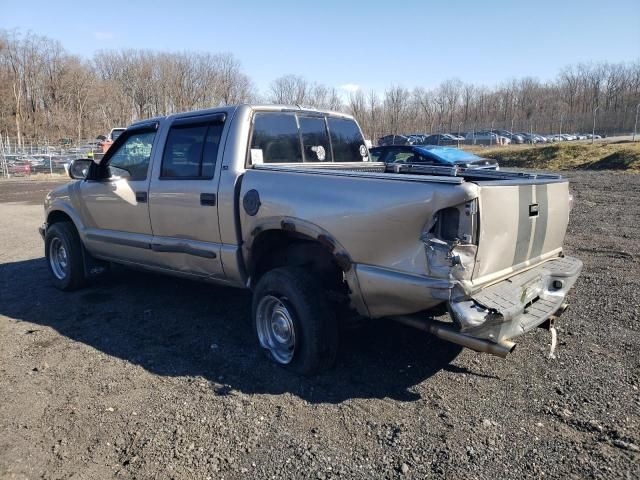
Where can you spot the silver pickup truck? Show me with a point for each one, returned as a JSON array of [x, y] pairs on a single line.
[[286, 202]]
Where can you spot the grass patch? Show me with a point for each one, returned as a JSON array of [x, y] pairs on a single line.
[[622, 156]]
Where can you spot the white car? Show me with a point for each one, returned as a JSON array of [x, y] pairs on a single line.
[[487, 138]]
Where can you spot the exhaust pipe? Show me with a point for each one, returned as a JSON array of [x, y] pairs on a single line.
[[448, 333], [561, 310]]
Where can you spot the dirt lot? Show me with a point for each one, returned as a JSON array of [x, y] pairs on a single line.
[[151, 377]]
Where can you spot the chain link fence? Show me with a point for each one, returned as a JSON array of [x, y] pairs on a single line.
[[25, 159]]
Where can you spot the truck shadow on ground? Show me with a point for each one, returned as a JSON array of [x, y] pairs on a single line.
[[178, 327]]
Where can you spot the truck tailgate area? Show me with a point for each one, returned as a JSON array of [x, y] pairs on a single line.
[[520, 225], [516, 305]]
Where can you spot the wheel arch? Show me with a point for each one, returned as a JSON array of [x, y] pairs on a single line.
[[287, 241], [59, 212]]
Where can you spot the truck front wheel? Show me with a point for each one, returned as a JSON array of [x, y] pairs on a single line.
[[64, 256], [294, 322]]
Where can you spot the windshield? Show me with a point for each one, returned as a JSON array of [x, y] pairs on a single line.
[[449, 155]]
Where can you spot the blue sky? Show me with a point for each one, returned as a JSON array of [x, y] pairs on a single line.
[[370, 44]]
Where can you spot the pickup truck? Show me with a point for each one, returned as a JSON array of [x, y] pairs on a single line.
[[285, 201]]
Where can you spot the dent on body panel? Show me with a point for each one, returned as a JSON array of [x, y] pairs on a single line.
[[379, 222], [376, 223]]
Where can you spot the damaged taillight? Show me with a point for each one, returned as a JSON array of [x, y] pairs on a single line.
[[457, 223]]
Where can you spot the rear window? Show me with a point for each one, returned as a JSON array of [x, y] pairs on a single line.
[[275, 136], [293, 138], [315, 139], [348, 144]]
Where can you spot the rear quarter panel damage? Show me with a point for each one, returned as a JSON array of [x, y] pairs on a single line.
[[377, 222]]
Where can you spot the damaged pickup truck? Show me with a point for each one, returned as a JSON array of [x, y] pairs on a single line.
[[286, 202]]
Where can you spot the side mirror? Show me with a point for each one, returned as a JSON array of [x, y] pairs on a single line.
[[79, 169]]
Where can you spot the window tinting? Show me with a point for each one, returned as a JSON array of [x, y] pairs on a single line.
[[315, 140], [210, 152], [132, 157], [276, 134], [346, 139], [191, 151]]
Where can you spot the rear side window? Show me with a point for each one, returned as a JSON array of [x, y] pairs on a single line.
[[348, 144], [315, 139], [191, 151], [275, 138]]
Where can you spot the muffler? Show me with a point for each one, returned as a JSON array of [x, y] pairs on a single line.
[[448, 333]]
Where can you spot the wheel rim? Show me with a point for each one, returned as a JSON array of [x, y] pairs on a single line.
[[274, 323], [58, 258]]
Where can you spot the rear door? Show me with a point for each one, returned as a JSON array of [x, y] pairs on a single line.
[[183, 205], [521, 224]]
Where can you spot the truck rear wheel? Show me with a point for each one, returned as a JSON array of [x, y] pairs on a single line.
[[294, 322], [63, 251]]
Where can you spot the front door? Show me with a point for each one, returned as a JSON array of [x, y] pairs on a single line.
[[183, 203], [115, 209]]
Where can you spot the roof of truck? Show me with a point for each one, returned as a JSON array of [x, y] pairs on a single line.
[[252, 106]]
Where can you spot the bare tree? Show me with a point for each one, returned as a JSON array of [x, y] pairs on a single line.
[[45, 92]]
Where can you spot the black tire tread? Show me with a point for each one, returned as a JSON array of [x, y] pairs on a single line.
[[67, 232], [318, 344]]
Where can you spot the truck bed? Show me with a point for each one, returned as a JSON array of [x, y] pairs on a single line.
[[384, 218]]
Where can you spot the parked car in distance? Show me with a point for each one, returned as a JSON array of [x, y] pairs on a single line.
[[416, 138], [486, 138], [113, 136], [19, 168], [532, 138], [440, 139], [394, 140], [513, 137], [431, 155], [457, 136]]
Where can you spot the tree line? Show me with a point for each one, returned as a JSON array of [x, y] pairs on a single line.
[[47, 93]]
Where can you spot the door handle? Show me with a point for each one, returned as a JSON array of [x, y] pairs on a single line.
[[208, 199], [141, 197]]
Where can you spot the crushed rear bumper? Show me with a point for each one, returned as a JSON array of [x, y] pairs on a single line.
[[518, 304]]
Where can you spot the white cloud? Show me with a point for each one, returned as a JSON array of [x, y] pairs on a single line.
[[350, 87], [103, 35]]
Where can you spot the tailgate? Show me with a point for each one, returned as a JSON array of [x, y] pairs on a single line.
[[521, 224]]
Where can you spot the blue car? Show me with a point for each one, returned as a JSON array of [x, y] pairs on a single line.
[[431, 155]]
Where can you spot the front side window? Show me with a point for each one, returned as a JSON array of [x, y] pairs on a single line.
[[131, 160], [191, 151], [348, 144], [275, 139], [315, 140]]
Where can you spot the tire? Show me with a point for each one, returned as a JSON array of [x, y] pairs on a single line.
[[292, 292], [63, 252]]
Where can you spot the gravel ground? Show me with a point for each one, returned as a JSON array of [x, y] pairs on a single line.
[[151, 377]]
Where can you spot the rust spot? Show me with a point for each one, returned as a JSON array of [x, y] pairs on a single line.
[[343, 261], [287, 226], [327, 242]]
